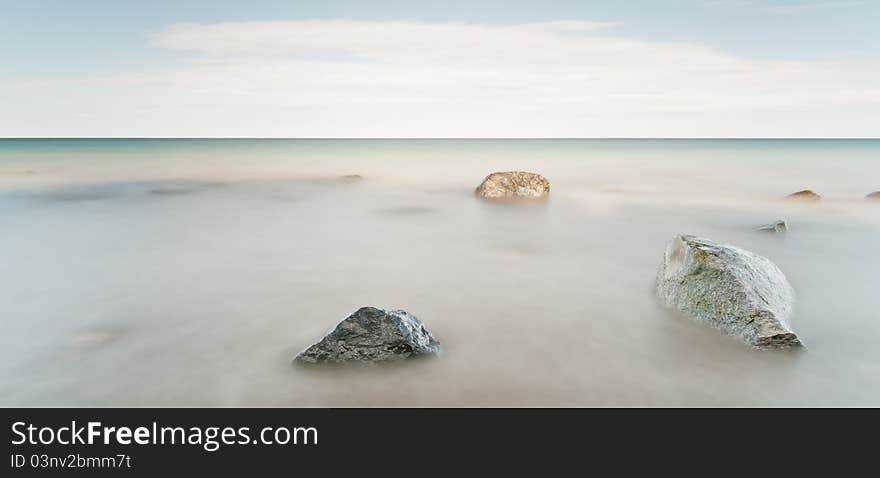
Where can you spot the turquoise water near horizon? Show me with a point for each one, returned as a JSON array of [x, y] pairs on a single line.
[[829, 164]]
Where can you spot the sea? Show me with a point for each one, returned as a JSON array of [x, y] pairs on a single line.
[[188, 272]]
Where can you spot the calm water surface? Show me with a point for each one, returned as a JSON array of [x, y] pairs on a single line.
[[188, 272]]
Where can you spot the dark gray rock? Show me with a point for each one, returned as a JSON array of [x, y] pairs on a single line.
[[777, 226], [373, 335], [740, 293]]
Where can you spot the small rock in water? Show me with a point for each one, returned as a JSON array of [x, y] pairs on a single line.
[[514, 184], [778, 226], [874, 196], [805, 195], [740, 293], [373, 335], [351, 178]]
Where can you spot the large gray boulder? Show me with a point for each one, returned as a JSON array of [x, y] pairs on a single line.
[[373, 335], [514, 185], [738, 292], [874, 196]]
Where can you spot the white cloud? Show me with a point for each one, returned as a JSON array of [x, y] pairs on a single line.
[[408, 79]]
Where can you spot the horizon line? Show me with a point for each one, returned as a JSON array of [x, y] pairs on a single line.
[[361, 138]]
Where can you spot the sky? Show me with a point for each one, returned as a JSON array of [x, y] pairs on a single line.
[[675, 68]]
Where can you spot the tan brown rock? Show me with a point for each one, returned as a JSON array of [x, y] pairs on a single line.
[[514, 185], [805, 195]]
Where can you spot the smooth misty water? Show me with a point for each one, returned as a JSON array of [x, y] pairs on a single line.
[[188, 272]]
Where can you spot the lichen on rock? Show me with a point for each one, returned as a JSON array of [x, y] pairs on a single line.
[[736, 291], [514, 185]]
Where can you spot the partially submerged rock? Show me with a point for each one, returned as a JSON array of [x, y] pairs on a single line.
[[874, 196], [805, 195], [373, 335], [514, 185], [776, 226], [740, 293], [351, 178]]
